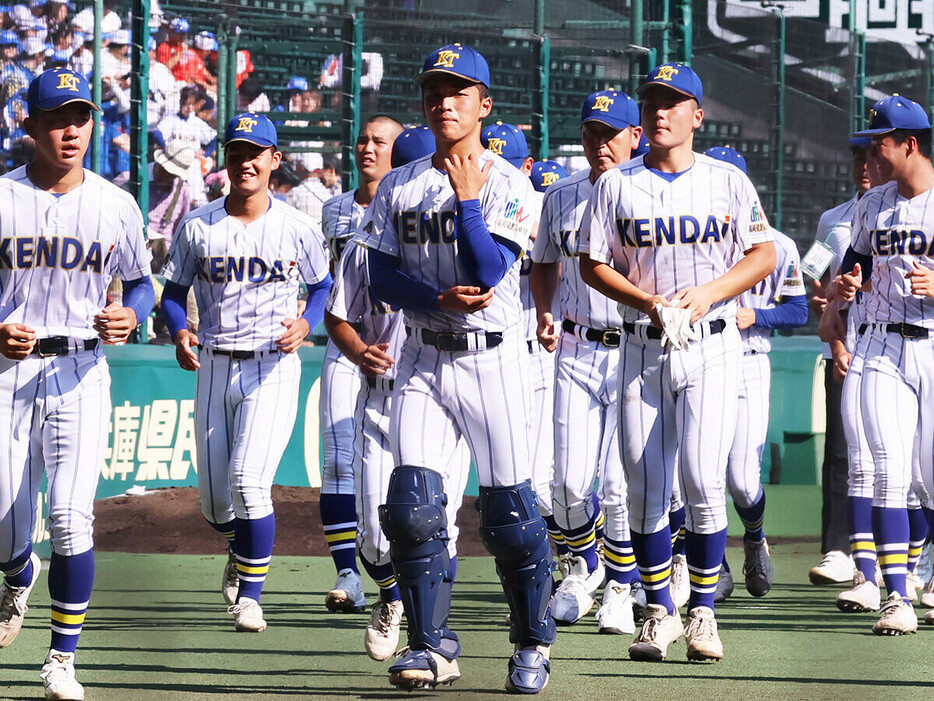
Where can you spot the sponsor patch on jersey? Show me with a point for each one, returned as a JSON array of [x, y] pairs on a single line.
[[757, 222], [515, 219]]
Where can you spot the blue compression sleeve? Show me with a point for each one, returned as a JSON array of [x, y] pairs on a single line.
[[317, 296], [158, 138], [851, 257], [174, 303], [486, 258], [397, 289], [139, 296], [793, 311]]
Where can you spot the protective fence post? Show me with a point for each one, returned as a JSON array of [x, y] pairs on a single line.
[[96, 90], [223, 59], [139, 116], [636, 37], [352, 53], [542, 97], [778, 129], [686, 25]]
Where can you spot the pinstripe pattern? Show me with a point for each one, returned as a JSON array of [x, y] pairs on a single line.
[[835, 229], [752, 425], [784, 282], [862, 471]]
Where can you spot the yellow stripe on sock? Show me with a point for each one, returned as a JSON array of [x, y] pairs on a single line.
[[341, 535], [657, 577], [587, 539], [704, 581], [862, 545], [619, 559], [246, 569], [894, 559], [68, 618]]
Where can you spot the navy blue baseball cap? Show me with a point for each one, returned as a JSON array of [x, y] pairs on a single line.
[[727, 154], [677, 77], [56, 87], [545, 173], [412, 144], [642, 148], [253, 128], [507, 141], [895, 112], [296, 82], [456, 59], [610, 107], [9, 38]]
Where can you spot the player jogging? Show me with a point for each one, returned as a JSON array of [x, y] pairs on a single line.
[[444, 235], [244, 254], [66, 233], [664, 234]]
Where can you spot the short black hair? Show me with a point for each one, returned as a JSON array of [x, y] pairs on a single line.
[[922, 136]]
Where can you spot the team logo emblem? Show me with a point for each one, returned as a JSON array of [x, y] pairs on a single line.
[[496, 146], [666, 73], [246, 124], [60, 658], [446, 58], [550, 178], [67, 81], [602, 103], [872, 115]]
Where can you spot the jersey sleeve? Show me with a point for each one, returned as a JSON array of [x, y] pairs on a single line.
[[545, 249], [596, 232], [791, 283], [134, 258], [347, 296], [313, 262], [859, 234], [750, 226], [377, 229], [181, 267], [510, 208]]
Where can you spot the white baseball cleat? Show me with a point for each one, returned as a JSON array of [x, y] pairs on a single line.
[[896, 617], [564, 564], [659, 630], [58, 676], [836, 568], [702, 636], [347, 595], [615, 615], [680, 584], [13, 604], [382, 632], [637, 592], [929, 618], [927, 596], [577, 592], [230, 586], [914, 585], [862, 596], [724, 586], [248, 616]]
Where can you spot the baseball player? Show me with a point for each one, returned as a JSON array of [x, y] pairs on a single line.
[[340, 377], [444, 234], [778, 302], [663, 236], [585, 405], [64, 234], [893, 227], [244, 254]]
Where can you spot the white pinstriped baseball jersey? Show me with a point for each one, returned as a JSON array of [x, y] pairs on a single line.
[[350, 299], [340, 217], [896, 232], [413, 218], [835, 229], [246, 276], [565, 206], [525, 271], [55, 278], [666, 236], [785, 281]]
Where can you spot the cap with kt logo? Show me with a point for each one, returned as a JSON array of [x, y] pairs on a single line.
[[253, 128], [676, 76], [56, 87], [456, 59], [611, 107]]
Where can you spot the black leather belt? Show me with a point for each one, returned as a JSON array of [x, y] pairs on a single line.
[[235, 354], [384, 384], [903, 330], [456, 341], [608, 337], [715, 326], [62, 345]]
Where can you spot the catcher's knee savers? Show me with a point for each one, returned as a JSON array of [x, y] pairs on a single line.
[[415, 523], [515, 534]]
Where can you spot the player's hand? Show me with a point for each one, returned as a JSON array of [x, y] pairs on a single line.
[[697, 300], [185, 343], [819, 299], [374, 360], [922, 280], [466, 176], [466, 299], [115, 323], [296, 332], [16, 341], [547, 332], [841, 363], [848, 284], [831, 327], [745, 317], [648, 307]]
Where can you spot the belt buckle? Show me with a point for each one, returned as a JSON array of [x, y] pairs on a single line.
[[448, 341], [54, 345], [909, 331], [611, 338]]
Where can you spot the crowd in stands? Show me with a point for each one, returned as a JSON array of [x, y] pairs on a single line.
[[181, 109]]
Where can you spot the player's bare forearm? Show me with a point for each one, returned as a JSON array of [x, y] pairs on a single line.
[[115, 323], [185, 343], [372, 360], [16, 341], [297, 330], [841, 360], [544, 280], [832, 326], [613, 284]]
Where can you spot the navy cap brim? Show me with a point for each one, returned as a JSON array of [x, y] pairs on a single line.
[[52, 108], [640, 91], [872, 132], [262, 144], [425, 75], [613, 125]]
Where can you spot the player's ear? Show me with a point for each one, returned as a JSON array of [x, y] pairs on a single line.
[[698, 117], [276, 159], [486, 107], [30, 126], [636, 133]]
